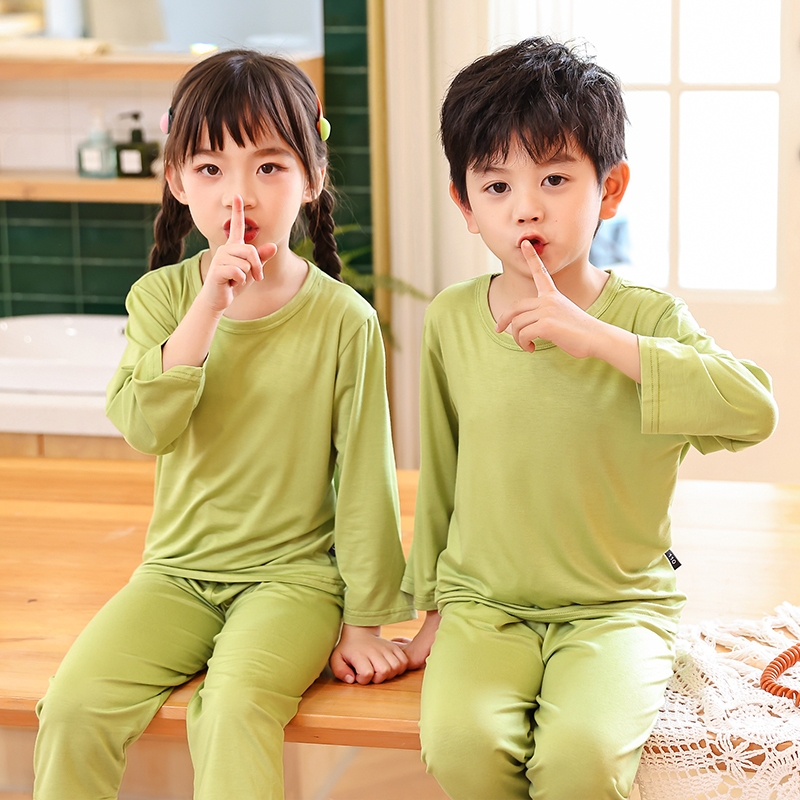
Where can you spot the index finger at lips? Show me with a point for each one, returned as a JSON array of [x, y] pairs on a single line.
[[541, 277], [236, 231]]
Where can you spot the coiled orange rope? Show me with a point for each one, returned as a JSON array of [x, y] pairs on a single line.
[[776, 668]]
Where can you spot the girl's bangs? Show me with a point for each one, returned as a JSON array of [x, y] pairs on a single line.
[[246, 116]]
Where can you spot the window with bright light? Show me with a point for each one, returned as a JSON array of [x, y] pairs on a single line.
[[702, 89]]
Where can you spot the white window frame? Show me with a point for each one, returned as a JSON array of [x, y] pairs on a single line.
[[675, 90]]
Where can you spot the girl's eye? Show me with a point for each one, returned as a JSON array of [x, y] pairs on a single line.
[[268, 169], [498, 188], [209, 169], [554, 180]]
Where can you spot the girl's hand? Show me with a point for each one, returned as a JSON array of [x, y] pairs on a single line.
[[362, 656], [236, 265]]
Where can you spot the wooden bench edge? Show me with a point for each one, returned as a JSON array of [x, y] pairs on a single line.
[[302, 729]]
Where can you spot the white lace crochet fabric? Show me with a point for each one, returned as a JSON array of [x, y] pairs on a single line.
[[718, 733]]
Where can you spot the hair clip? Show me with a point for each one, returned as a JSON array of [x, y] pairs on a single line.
[[166, 122], [323, 126]]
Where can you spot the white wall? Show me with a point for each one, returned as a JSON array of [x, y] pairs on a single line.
[[42, 122], [272, 24]]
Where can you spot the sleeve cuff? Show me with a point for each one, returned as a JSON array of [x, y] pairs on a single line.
[[369, 618], [425, 602], [648, 392]]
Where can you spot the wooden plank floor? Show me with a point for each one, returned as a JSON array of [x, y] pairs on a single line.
[[739, 544]]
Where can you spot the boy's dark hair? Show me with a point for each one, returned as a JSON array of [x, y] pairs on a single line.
[[540, 92], [247, 94]]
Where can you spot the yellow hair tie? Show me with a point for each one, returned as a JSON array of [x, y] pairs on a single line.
[[323, 126]]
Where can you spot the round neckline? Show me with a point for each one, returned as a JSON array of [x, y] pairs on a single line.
[[304, 293], [596, 309]]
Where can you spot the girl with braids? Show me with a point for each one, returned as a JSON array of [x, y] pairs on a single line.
[[252, 375]]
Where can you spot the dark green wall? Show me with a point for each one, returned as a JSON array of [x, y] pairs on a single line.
[[83, 257], [347, 107], [70, 257]]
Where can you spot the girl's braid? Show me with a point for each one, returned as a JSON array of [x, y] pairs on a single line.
[[320, 229], [172, 225]]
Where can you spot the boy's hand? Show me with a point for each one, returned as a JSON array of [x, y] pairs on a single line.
[[362, 656], [550, 315], [235, 265], [418, 649], [554, 317]]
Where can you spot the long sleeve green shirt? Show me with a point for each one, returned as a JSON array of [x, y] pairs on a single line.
[[247, 444], [546, 480]]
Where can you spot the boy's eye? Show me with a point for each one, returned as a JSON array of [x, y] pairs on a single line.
[[497, 188], [554, 180]]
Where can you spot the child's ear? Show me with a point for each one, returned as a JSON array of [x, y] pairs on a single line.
[[173, 178], [472, 225], [310, 194], [614, 187]]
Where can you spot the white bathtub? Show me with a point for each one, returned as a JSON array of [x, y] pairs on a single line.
[[54, 369]]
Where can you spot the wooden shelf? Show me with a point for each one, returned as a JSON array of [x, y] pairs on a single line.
[[96, 67], [116, 67], [68, 187]]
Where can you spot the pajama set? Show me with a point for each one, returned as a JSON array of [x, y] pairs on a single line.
[[541, 528], [239, 572]]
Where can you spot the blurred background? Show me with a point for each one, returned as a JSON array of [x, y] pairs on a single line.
[[712, 94]]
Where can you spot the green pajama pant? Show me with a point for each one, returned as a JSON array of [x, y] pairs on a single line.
[[513, 710], [264, 645]]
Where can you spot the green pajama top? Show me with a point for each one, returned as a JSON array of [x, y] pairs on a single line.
[[247, 444], [546, 480]]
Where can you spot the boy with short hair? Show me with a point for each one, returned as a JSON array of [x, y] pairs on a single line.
[[557, 402]]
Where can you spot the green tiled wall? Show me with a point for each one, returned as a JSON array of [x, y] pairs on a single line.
[[347, 108], [70, 257], [83, 257], [73, 257]]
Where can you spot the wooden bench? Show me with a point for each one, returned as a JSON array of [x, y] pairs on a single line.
[[72, 533]]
